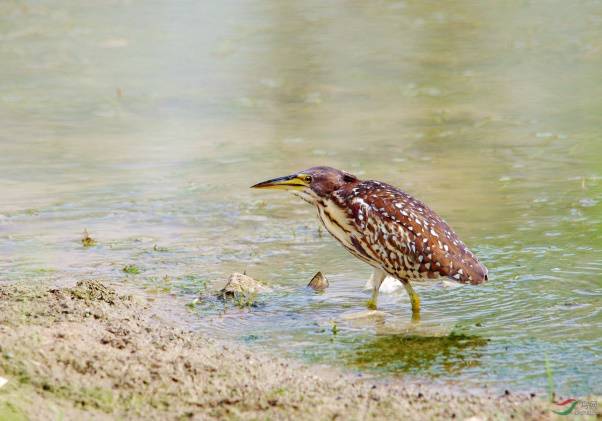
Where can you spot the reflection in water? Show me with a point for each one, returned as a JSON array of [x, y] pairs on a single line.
[[417, 353], [150, 135]]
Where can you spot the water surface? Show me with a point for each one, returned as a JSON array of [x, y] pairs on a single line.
[[146, 122]]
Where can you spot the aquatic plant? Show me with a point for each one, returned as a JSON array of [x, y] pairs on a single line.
[[245, 299], [87, 240], [131, 269], [193, 303], [408, 353]]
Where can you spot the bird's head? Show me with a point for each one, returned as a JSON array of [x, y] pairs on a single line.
[[311, 184]]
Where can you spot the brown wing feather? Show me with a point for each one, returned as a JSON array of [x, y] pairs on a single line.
[[411, 239]]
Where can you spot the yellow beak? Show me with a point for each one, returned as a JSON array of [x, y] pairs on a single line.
[[289, 182]]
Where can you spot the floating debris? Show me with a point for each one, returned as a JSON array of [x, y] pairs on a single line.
[[87, 240], [318, 282], [3, 381]]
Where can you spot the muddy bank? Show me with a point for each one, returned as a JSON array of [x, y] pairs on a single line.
[[89, 351]]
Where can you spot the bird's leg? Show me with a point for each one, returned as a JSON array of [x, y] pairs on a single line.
[[414, 299], [377, 278]]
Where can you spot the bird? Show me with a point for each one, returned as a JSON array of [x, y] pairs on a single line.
[[393, 232]]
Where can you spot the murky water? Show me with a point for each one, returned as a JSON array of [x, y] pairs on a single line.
[[146, 122]]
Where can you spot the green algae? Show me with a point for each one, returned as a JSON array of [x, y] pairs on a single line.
[[87, 240], [334, 328], [411, 353], [244, 299], [11, 411], [131, 269]]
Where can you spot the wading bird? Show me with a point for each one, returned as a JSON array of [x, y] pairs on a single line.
[[381, 225]]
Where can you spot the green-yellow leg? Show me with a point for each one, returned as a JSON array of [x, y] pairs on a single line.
[[414, 299], [378, 276], [373, 301]]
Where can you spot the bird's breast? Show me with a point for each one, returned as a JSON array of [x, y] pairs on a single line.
[[335, 220], [340, 225]]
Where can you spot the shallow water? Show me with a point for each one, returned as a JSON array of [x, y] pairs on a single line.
[[145, 122]]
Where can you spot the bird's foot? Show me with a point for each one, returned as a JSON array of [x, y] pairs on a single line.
[[371, 304], [415, 300], [415, 316]]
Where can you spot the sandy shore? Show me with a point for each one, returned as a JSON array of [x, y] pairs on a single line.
[[90, 352]]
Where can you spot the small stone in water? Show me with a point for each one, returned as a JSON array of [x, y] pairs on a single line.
[[318, 282], [239, 283]]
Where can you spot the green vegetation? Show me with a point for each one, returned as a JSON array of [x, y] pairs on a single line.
[[193, 303], [10, 411], [87, 240], [160, 285], [245, 299], [409, 353], [131, 269]]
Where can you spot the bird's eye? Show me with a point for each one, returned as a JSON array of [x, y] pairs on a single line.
[[348, 178], [307, 178]]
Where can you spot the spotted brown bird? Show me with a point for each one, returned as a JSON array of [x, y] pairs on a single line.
[[385, 227]]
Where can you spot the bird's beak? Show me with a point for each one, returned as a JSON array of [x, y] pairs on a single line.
[[289, 182]]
